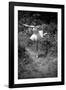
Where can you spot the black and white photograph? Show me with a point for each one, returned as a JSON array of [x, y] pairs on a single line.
[[37, 41], [37, 44]]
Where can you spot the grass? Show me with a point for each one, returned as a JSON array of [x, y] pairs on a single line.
[[30, 66]]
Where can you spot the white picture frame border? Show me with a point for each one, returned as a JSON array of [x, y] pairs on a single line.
[[36, 80]]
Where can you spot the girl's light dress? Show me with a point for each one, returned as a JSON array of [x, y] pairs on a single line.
[[36, 36]]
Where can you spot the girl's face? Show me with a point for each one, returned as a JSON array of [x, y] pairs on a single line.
[[34, 29]]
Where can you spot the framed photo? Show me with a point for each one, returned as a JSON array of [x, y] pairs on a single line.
[[36, 44]]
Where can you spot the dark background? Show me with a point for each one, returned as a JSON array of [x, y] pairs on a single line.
[[38, 17]]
